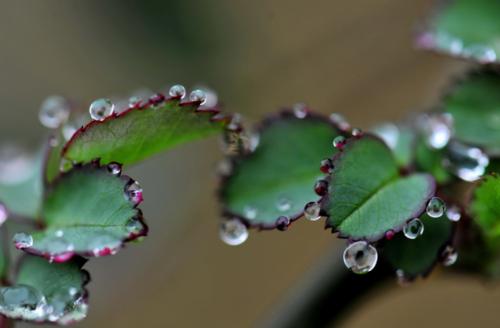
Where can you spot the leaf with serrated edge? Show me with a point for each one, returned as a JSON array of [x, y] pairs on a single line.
[[284, 166], [140, 132], [465, 29], [56, 282], [417, 257], [366, 195], [473, 103], [86, 209]]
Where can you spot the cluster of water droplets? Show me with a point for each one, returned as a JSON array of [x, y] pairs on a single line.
[[28, 303], [360, 257], [454, 45]]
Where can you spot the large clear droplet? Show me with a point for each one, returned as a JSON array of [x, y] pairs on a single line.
[[360, 257], [177, 91], [413, 228], [22, 240], [233, 232], [312, 211], [133, 191], [435, 207], [54, 112], [449, 256], [453, 213], [467, 163], [100, 109], [198, 95]]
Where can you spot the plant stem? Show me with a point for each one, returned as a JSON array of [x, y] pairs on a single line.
[[327, 294]]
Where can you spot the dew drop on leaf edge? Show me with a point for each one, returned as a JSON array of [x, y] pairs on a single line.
[[233, 232], [360, 257]]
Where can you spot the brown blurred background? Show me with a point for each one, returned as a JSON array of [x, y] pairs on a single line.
[[352, 57]]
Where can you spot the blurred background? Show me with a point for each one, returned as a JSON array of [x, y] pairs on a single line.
[[352, 57]]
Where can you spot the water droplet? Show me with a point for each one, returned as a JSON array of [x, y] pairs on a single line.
[[4, 214], [435, 207], [453, 213], [326, 166], [68, 131], [156, 99], [449, 43], [177, 91], [283, 204], [135, 227], [413, 228], [300, 110], [134, 102], [54, 112], [357, 133], [312, 211], [250, 212], [59, 233], [22, 302], [282, 223], [22, 240], [402, 279], [449, 256], [233, 232], [484, 54], [254, 140], [389, 234], [389, 133], [225, 167], [104, 244], [115, 168], [437, 129], [133, 191], [100, 109], [339, 142], [321, 187], [360, 257], [16, 165], [468, 163], [198, 96], [340, 121]]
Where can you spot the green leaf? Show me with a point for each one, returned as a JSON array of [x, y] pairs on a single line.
[[466, 29], [138, 133], [367, 197], [474, 104], [417, 257], [431, 160], [283, 168], [87, 212], [50, 292], [485, 208], [21, 190]]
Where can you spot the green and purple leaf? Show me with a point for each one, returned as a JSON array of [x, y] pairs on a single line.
[[89, 211], [465, 29], [47, 292], [367, 197], [143, 131], [277, 179], [417, 257]]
